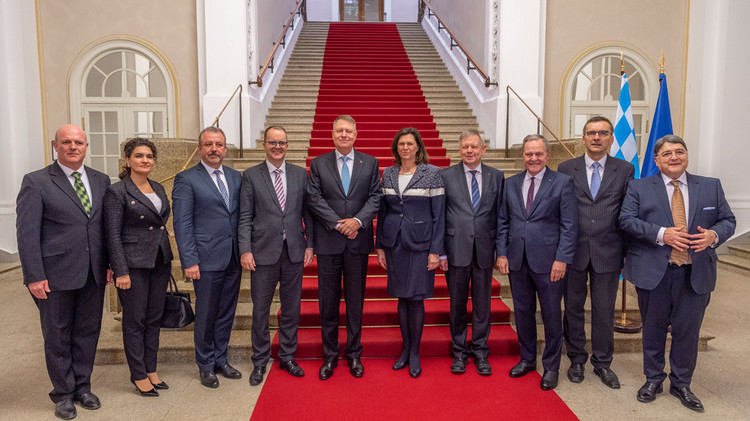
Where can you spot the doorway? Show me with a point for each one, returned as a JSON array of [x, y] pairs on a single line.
[[361, 10]]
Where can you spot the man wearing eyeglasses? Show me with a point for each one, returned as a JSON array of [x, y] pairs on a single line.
[[675, 221], [275, 245], [601, 182]]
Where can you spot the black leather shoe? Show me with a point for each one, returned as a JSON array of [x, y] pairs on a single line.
[[549, 380], [151, 393], [256, 377], [647, 392], [401, 362], [458, 366], [356, 367], [326, 370], [228, 371], [88, 401], [161, 385], [415, 373], [209, 379], [575, 372], [292, 368], [522, 368], [688, 399], [65, 409], [608, 377], [483, 366]]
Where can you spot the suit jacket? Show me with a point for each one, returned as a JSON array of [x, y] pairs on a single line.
[[545, 235], [206, 232], [329, 204], [135, 229], [463, 228], [263, 223], [646, 209], [600, 240], [56, 240], [417, 213]]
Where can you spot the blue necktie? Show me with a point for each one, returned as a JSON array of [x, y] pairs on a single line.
[[596, 180], [474, 190], [345, 177], [222, 190]]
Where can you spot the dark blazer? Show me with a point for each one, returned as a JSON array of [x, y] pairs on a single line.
[[135, 230], [206, 232], [56, 240], [463, 227], [418, 214], [548, 233], [600, 240], [646, 209], [329, 204], [262, 222]]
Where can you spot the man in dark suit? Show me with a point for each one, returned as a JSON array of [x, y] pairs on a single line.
[[601, 182], [344, 196], [473, 193], [675, 221], [536, 240], [60, 237], [206, 211], [276, 246]]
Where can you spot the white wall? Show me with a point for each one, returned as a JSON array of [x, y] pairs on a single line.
[[717, 99], [20, 112], [323, 10]]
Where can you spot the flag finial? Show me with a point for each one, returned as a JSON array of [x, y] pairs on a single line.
[[662, 62], [622, 62]]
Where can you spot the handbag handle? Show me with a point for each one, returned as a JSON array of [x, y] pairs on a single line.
[[172, 284]]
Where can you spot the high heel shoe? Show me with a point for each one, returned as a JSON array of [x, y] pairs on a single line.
[[161, 385], [149, 393]]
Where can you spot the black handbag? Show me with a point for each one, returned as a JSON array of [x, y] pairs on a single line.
[[177, 309]]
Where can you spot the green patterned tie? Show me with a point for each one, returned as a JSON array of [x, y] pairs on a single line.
[[81, 192]]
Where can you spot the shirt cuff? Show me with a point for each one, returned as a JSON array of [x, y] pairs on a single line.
[[660, 236], [715, 243], [357, 219]]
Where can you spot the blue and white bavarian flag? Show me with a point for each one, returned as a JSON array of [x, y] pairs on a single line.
[[624, 146]]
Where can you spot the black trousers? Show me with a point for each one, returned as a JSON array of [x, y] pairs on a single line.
[[673, 302], [603, 288], [460, 280], [263, 281], [331, 268], [71, 321], [142, 308]]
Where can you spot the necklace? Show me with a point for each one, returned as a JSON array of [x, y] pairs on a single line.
[[410, 172]]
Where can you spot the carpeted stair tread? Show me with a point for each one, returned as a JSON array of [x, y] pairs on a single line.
[[377, 287]]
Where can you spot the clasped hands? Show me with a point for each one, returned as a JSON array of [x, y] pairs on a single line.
[[681, 240], [349, 227]]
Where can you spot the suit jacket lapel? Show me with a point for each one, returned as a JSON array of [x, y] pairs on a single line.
[[519, 191], [59, 178], [356, 169], [419, 173], [97, 190], [138, 194], [208, 179], [463, 186], [390, 179], [660, 190], [581, 177], [693, 195], [546, 182], [268, 181], [610, 173], [334, 169]]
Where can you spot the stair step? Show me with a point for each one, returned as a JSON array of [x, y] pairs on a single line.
[[735, 264], [740, 251]]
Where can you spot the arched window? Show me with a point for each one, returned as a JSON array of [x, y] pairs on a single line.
[[593, 89], [123, 90]]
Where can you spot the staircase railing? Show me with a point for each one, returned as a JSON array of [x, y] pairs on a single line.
[[471, 64], [539, 122], [216, 124], [299, 9]]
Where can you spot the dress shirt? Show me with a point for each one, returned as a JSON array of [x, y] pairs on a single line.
[[272, 168], [84, 178], [590, 167], [478, 170], [686, 198], [350, 164], [537, 182], [213, 177]]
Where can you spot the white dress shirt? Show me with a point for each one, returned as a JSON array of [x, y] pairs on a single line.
[[478, 170], [590, 167], [213, 177], [84, 178], [537, 182]]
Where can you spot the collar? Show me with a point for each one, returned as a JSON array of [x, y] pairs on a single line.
[[272, 168], [682, 178], [212, 169], [538, 177], [478, 168], [590, 162], [350, 155], [69, 171]]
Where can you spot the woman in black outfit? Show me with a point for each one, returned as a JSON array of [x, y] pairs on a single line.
[[136, 211]]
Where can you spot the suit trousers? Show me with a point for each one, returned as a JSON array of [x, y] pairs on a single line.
[[216, 294], [603, 288], [673, 302], [142, 308], [331, 267], [263, 281], [526, 285], [460, 280], [71, 321]]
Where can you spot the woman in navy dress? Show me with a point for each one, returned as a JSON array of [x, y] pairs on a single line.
[[411, 226]]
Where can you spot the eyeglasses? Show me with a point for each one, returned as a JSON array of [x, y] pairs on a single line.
[[275, 143], [601, 133], [679, 153]]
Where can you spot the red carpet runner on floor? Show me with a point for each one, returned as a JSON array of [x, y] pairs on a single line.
[[367, 74]]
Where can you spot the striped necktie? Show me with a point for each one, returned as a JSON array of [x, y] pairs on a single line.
[[474, 190], [279, 187], [83, 196], [222, 190], [678, 216]]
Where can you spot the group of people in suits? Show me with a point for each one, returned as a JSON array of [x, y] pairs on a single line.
[[552, 232]]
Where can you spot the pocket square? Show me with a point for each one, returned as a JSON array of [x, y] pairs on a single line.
[[709, 208]]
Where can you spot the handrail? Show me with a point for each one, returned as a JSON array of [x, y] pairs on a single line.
[[471, 64], [215, 124], [299, 9], [508, 89]]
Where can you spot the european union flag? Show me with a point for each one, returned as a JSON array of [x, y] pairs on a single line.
[[661, 126]]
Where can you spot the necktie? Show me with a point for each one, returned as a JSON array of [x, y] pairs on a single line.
[[678, 216], [530, 197], [83, 196], [596, 180], [279, 187], [345, 177], [222, 189], [474, 190]]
